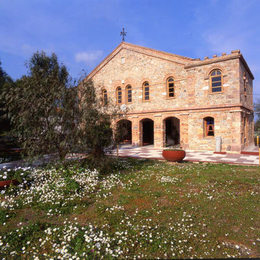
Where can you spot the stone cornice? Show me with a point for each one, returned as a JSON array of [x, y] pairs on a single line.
[[211, 61], [219, 107], [220, 59]]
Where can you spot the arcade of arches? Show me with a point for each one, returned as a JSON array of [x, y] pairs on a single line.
[[190, 131], [148, 131]]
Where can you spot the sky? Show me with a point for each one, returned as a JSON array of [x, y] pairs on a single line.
[[83, 32]]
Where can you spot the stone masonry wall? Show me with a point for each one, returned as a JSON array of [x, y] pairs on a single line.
[[193, 99], [191, 85]]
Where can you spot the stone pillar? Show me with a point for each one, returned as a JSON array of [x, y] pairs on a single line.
[[236, 117], [158, 131], [184, 128], [135, 131]]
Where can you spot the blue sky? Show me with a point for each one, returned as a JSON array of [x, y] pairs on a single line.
[[83, 32]]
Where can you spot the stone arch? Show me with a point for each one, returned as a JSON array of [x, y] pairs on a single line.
[[168, 75], [171, 126], [146, 131], [214, 67]]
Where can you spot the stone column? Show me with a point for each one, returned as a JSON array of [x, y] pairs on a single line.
[[236, 117], [184, 127], [135, 131], [158, 131]]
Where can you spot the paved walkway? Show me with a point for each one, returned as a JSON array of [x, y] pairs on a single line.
[[150, 152]]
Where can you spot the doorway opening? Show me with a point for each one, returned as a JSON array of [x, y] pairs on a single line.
[[124, 127], [147, 126], [172, 132]]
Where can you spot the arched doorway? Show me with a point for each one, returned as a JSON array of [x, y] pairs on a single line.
[[124, 131], [147, 133], [172, 131]]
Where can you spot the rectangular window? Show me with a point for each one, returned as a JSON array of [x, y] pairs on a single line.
[[146, 91]]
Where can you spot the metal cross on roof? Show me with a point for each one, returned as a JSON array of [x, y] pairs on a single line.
[[123, 34]]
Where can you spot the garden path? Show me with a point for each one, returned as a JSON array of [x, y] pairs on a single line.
[[150, 152]]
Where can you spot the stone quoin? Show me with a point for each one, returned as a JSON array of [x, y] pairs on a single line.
[[178, 101]]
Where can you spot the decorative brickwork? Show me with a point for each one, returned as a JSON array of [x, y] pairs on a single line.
[[193, 99]]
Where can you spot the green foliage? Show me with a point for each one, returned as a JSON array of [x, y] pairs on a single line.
[[147, 209], [257, 127], [42, 107], [96, 131], [50, 115], [19, 174], [121, 132], [257, 112], [6, 215], [104, 165], [4, 122]]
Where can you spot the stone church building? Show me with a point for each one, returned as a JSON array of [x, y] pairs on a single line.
[[178, 101]]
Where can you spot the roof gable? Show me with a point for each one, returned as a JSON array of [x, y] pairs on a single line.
[[143, 50]]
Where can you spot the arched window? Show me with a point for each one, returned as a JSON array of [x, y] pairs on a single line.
[[104, 96], [170, 87], [146, 91], [128, 94], [119, 95], [216, 81], [208, 126]]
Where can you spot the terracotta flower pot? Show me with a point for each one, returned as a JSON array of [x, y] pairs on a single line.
[[173, 155], [7, 183]]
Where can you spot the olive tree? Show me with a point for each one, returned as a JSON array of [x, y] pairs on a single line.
[[51, 114], [43, 108]]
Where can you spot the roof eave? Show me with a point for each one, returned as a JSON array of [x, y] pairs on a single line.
[[220, 59]]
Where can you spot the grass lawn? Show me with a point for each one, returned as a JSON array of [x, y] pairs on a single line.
[[144, 209]]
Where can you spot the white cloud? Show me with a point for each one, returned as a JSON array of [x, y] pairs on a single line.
[[88, 57], [223, 41]]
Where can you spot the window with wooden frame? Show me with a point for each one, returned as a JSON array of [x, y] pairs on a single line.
[[216, 81], [128, 94], [170, 87], [119, 95], [146, 91], [104, 96], [208, 123]]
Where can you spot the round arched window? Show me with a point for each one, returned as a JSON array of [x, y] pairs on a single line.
[[146, 91], [119, 95], [216, 81], [128, 94], [170, 87], [104, 96]]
